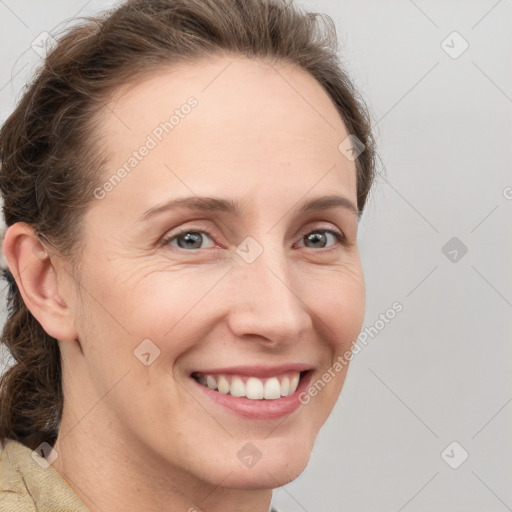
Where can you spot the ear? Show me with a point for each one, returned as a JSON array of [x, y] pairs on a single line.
[[36, 274]]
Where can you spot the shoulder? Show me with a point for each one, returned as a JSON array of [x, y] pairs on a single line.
[[28, 483], [13, 491]]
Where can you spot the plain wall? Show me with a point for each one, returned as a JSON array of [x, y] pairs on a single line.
[[439, 372]]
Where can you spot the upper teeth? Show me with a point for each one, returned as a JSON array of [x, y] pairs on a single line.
[[251, 387]]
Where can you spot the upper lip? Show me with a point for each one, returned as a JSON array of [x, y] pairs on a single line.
[[256, 371]]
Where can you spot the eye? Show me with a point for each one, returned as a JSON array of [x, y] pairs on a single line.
[[319, 238], [192, 240], [188, 239]]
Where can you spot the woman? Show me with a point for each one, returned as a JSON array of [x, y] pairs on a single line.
[[182, 183]]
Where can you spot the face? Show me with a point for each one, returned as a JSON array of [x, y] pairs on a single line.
[[245, 297]]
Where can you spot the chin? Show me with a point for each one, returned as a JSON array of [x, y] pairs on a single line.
[[280, 462], [268, 475]]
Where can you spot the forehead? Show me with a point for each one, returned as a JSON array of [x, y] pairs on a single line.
[[269, 122]]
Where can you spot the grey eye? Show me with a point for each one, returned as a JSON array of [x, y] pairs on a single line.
[[189, 240], [318, 239]]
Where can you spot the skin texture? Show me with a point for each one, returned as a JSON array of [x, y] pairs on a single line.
[[138, 437]]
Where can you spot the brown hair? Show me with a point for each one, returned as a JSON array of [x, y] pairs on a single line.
[[49, 157]]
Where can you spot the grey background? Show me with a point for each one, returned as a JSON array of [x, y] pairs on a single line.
[[440, 371]]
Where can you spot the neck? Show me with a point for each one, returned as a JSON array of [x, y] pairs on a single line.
[[108, 473]]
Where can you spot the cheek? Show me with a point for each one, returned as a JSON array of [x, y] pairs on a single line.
[[167, 303], [350, 309], [172, 308], [154, 296], [341, 306]]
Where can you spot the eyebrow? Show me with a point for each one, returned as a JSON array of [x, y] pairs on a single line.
[[217, 204]]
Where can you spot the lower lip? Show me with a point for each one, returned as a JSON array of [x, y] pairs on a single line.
[[258, 409]]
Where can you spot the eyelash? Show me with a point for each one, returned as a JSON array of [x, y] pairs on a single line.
[[338, 235]]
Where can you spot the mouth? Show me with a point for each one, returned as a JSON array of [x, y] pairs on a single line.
[[253, 388], [253, 392]]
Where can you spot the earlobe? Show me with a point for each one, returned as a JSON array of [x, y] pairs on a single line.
[[37, 278]]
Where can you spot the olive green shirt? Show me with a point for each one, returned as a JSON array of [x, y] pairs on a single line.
[[29, 486]]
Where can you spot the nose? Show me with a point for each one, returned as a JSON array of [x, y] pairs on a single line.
[[267, 302]]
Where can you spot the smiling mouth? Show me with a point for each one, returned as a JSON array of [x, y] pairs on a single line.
[[253, 388]]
